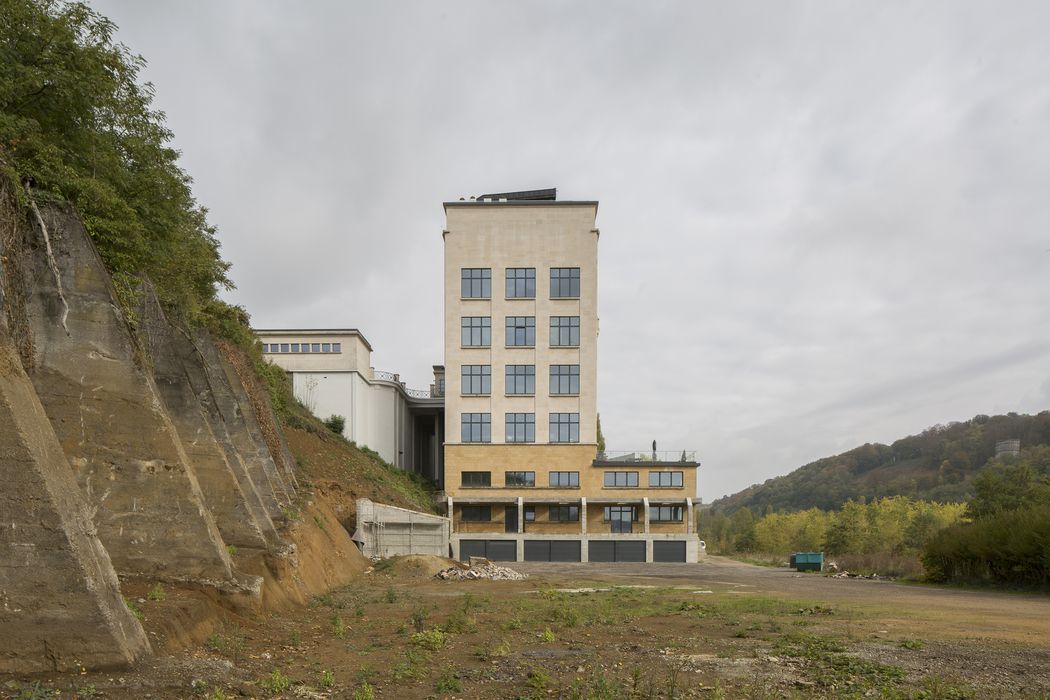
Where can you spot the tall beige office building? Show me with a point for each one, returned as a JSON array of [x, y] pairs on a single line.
[[523, 477]]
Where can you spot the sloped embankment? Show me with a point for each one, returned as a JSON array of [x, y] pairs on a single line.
[[147, 455]]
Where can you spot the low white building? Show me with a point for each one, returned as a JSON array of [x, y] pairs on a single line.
[[332, 375]]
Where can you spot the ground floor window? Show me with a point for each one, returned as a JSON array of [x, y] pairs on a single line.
[[665, 514], [476, 514], [563, 514], [620, 517]]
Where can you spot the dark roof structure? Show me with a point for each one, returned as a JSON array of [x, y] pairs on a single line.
[[526, 195]]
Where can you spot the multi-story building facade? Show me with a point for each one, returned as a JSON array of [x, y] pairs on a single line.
[[523, 478]]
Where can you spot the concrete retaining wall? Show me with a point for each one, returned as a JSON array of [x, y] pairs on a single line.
[[387, 531]]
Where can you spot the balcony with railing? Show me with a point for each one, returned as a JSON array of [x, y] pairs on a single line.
[[436, 391], [655, 458]]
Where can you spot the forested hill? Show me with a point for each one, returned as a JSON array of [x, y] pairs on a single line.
[[938, 464]]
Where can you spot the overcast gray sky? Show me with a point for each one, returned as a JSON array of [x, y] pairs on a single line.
[[823, 224]]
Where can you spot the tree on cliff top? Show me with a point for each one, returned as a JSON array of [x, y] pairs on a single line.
[[76, 122]]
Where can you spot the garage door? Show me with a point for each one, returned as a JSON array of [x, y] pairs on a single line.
[[552, 550], [613, 550], [496, 550], [668, 551]]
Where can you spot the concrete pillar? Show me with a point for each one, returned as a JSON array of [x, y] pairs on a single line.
[[648, 549], [583, 515], [645, 506], [437, 447], [451, 527], [519, 549], [689, 523], [521, 516]]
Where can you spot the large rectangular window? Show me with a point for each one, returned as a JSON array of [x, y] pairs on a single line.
[[563, 514], [476, 514], [621, 479], [477, 283], [565, 282], [521, 283], [477, 379], [565, 379], [665, 514], [565, 331], [476, 331], [476, 427], [565, 480], [565, 427], [521, 331], [521, 479], [665, 479], [521, 427], [620, 518], [476, 479], [521, 379]]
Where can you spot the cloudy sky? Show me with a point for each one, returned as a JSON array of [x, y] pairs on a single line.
[[823, 224]]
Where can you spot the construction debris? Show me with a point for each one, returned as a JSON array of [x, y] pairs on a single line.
[[871, 577], [480, 568]]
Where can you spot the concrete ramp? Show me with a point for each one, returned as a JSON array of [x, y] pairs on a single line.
[[388, 531]]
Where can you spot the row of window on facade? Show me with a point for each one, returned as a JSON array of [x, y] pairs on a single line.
[[476, 331], [520, 283], [521, 427], [611, 479], [619, 516], [520, 380], [302, 347]]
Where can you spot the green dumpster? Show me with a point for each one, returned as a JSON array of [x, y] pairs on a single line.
[[808, 561]]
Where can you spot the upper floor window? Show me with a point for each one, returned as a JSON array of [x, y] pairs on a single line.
[[665, 479], [477, 379], [565, 479], [521, 427], [521, 331], [476, 427], [521, 479], [565, 427], [303, 347], [521, 379], [665, 514], [565, 282], [563, 514], [477, 283], [621, 479], [565, 331], [565, 379], [476, 514], [476, 478], [476, 331], [521, 283]]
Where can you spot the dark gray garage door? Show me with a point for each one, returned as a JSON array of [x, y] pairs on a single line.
[[613, 550], [552, 550], [668, 551], [496, 550]]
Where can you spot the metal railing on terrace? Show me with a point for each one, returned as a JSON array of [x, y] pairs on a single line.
[[431, 393], [646, 456]]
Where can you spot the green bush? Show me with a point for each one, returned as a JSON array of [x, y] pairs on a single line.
[[335, 423]]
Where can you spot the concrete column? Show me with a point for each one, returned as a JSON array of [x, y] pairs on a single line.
[[583, 516], [645, 505], [519, 549], [648, 549], [451, 527], [689, 523], [521, 515], [437, 447]]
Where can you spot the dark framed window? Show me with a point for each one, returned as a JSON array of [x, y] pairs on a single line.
[[476, 514], [520, 479], [295, 347], [521, 379], [337, 347], [620, 517], [476, 427], [521, 331], [306, 347], [565, 282], [521, 283], [529, 513], [565, 331], [565, 479], [315, 347], [477, 379], [563, 514], [621, 479], [665, 479], [565, 427], [665, 514], [521, 427], [477, 283], [565, 379], [476, 331], [476, 479], [326, 347]]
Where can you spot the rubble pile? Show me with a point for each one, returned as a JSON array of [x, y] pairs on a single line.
[[480, 568], [871, 577]]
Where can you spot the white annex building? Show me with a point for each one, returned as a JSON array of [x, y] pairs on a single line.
[[332, 375]]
